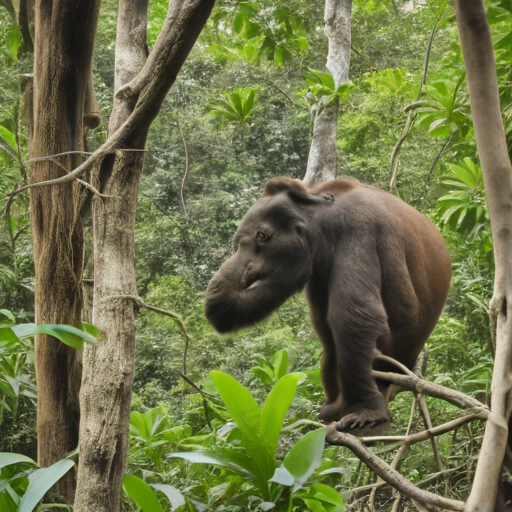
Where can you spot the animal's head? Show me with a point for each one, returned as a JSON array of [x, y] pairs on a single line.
[[271, 259]]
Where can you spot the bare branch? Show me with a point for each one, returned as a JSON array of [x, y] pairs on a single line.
[[414, 383], [300, 423], [390, 475], [51, 157], [177, 318], [410, 109]]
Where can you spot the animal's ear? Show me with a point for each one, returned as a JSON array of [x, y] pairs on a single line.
[[295, 189]]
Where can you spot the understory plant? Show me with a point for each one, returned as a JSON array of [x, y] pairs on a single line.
[[245, 451]]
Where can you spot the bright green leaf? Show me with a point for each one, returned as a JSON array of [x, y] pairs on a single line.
[[305, 456], [140, 492], [6, 459], [275, 408], [41, 481]]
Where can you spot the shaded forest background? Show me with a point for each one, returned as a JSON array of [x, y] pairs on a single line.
[[238, 115]]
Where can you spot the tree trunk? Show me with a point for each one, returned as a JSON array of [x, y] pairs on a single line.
[[477, 50], [323, 154], [65, 32], [141, 86]]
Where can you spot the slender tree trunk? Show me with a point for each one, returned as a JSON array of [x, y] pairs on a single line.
[[65, 32], [141, 85], [477, 50], [323, 154]]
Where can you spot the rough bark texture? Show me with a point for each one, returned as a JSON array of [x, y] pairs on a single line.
[[323, 155], [65, 32], [109, 366], [480, 66]]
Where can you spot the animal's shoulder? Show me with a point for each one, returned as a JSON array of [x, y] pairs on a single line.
[[337, 186]]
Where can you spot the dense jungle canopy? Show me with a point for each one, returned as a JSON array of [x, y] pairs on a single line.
[[240, 113]]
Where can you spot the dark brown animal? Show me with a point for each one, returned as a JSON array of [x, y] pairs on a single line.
[[376, 273]]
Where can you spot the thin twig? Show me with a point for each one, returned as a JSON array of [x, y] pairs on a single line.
[[441, 151], [170, 314], [411, 113], [51, 157], [205, 396], [428, 424], [300, 423], [84, 183], [186, 165]]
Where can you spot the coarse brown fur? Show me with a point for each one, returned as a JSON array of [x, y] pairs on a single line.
[[376, 273]]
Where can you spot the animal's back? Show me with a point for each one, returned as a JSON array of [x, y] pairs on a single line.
[[415, 263]]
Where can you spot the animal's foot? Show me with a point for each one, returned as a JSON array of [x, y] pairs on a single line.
[[330, 412], [364, 422]]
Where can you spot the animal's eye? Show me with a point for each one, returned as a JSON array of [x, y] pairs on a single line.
[[262, 237]]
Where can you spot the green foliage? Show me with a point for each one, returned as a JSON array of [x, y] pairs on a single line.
[[249, 453], [235, 109], [322, 89], [152, 435], [445, 111], [270, 370], [22, 485], [464, 207], [260, 30], [142, 494]]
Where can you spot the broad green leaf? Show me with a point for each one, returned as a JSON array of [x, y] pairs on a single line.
[[8, 314], [9, 138], [263, 373], [7, 334], [280, 363], [305, 456], [140, 492], [465, 175], [327, 493], [238, 23], [283, 477], [275, 408], [214, 459], [41, 481], [314, 506], [14, 383], [436, 124], [278, 56], [173, 495], [91, 329], [14, 40], [6, 459], [241, 458], [240, 404], [9, 500], [68, 334], [301, 43]]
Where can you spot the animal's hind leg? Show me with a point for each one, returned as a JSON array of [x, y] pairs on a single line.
[[331, 410], [357, 327]]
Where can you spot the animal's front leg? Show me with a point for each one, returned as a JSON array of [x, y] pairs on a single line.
[[356, 327]]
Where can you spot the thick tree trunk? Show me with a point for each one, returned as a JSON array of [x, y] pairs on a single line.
[[477, 50], [323, 154], [141, 86], [65, 32]]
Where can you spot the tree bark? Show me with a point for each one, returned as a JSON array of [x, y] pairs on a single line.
[[323, 154], [477, 50], [64, 42], [141, 86]]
